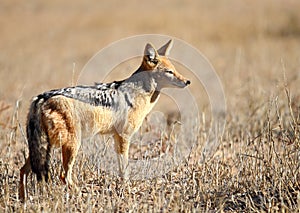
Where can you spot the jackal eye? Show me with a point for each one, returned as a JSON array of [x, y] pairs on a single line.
[[170, 71], [154, 61]]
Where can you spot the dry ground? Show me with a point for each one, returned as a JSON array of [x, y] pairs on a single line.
[[255, 49]]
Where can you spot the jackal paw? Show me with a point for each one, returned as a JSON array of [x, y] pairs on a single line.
[[63, 179]]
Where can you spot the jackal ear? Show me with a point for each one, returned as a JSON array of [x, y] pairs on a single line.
[[165, 50], [150, 52]]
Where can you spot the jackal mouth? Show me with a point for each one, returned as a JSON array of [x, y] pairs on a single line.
[[185, 83], [182, 84]]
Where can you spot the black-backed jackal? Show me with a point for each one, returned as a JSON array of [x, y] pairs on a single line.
[[63, 117]]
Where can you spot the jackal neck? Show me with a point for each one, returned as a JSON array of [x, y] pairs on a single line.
[[141, 83]]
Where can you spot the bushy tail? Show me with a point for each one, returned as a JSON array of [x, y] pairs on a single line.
[[39, 147]]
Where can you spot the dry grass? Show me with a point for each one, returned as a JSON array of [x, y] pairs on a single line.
[[254, 46]]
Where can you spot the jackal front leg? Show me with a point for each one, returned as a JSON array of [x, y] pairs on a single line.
[[122, 148]]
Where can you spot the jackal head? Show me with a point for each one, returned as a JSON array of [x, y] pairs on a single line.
[[156, 63]]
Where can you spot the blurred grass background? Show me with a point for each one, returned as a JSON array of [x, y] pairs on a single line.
[[43, 43]]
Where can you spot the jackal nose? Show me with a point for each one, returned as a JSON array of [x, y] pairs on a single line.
[[187, 82]]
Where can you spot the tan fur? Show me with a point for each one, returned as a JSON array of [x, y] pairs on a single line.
[[63, 121]]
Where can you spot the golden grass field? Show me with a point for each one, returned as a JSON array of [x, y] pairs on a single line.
[[254, 47]]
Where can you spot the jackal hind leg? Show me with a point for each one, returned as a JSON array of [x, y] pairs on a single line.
[[122, 148], [69, 153], [24, 171]]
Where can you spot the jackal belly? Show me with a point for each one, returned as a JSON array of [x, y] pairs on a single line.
[[65, 120]]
